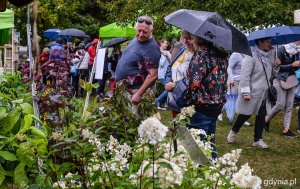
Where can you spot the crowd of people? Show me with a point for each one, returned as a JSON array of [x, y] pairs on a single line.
[[82, 57], [207, 71]]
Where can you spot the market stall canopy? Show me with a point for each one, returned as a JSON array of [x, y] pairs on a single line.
[[7, 19], [114, 31], [6, 22]]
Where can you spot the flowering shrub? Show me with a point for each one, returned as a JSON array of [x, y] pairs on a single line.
[[106, 151], [152, 163], [116, 116]]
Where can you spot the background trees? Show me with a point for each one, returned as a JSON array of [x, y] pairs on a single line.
[[89, 15]]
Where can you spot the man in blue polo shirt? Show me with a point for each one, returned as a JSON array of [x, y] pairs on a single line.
[[140, 60]]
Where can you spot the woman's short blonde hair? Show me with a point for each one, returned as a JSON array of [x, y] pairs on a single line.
[[46, 50]]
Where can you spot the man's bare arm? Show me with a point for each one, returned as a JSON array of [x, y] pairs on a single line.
[[149, 81]]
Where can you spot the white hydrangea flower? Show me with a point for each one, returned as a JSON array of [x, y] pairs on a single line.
[[60, 184], [133, 179], [69, 176], [102, 109], [149, 171], [244, 179], [57, 136], [119, 156], [152, 131], [86, 133], [227, 163], [188, 111], [168, 178], [196, 132]]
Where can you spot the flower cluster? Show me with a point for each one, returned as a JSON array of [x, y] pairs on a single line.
[[152, 131], [57, 136], [119, 154], [87, 134], [227, 163], [244, 178], [187, 112], [169, 177], [153, 160], [67, 182]]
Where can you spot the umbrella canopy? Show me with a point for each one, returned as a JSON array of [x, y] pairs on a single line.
[[50, 44], [113, 30], [52, 34], [73, 32], [230, 106], [211, 27], [280, 35], [115, 41]]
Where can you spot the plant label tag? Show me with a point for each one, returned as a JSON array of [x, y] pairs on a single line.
[[191, 147], [100, 57]]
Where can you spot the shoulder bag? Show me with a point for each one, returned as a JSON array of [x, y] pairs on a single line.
[[272, 93], [175, 99], [290, 82]]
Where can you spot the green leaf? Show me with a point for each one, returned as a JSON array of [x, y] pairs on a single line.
[[27, 123], [26, 153], [2, 112], [10, 120], [37, 119], [19, 101], [5, 96], [43, 180], [40, 145], [27, 108], [165, 165], [95, 85], [1, 136], [20, 178], [2, 144], [2, 175], [8, 156], [38, 132], [88, 87]]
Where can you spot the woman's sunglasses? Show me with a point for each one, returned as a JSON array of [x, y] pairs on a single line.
[[141, 20]]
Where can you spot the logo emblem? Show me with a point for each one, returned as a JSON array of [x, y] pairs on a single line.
[[210, 35]]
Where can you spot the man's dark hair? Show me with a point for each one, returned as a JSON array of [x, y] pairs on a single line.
[[261, 39], [59, 41]]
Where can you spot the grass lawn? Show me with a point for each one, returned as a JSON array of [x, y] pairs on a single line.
[[277, 166]]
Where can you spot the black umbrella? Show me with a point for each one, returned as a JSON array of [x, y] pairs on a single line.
[[212, 27], [115, 41], [73, 32]]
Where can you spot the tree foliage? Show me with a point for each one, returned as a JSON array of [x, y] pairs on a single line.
[[246, 14], [62, 14], [89, 15]]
